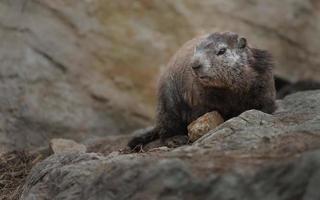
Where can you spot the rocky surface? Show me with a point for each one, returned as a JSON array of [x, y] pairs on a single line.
[[74, 69], [84, 70], [52, 81], [252, 156]]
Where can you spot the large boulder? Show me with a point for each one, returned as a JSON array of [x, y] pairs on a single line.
[[252, 156], [83, 69], [54, 82]]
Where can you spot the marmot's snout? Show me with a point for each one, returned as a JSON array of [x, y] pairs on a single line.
[[198, 65], [198, 70]]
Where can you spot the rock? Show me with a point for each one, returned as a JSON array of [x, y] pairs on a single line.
[[252, 156], [52, 79], [74, 69], [89, 177], [60, 146], [203, 125], [108, 144]]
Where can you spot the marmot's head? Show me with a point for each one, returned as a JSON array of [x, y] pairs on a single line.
[[223, 60]]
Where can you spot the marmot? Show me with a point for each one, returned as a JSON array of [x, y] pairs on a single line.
[[216, 72]]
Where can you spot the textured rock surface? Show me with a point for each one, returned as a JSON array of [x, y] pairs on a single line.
[[52, 81], [74, 69], [253, 156], [204, 124]]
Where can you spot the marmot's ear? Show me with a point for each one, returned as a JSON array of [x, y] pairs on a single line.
[[242, 43]]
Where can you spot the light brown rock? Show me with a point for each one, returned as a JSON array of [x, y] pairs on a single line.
[[204, 124], [60, 146]]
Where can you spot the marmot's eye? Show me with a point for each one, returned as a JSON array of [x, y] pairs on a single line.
[[221, 51]]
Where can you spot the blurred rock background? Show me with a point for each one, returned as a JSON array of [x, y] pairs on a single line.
[[84, 69]]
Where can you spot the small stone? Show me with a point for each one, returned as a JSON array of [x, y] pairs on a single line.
[[203, 125], [59, 146]]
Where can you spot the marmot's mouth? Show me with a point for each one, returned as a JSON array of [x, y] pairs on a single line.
[[207, 80], [212, 82], [205, 77], [202, 78]]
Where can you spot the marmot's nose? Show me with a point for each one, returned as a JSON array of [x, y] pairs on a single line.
[[196, 66]]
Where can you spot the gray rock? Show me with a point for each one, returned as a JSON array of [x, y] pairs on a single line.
[[50, 86], [73, 68], [252, 156]]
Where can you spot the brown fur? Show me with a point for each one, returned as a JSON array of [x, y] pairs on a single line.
[[240, 80]]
